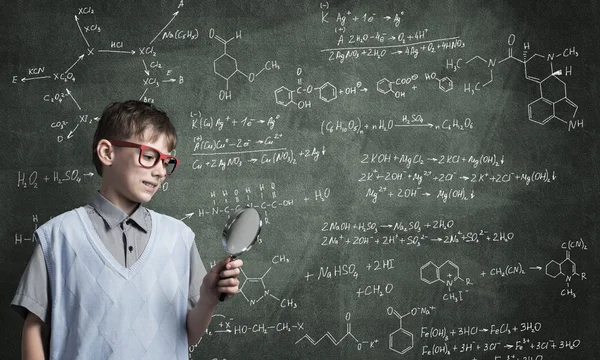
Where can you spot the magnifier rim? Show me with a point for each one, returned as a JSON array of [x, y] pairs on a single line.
[[230, 223]]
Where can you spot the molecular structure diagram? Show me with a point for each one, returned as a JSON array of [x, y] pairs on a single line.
[[327, 335], [226, 66], [566, 267], [285, 96], [254, 289], [385, 86], [401, 340], [446, 273], [327, 92], [553, 101]]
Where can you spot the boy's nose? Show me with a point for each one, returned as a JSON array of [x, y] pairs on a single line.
[[160, 169]]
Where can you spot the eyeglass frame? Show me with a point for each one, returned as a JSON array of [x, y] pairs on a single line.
[[161, 157]]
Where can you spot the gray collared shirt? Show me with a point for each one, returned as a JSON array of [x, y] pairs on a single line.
[[124, 236]]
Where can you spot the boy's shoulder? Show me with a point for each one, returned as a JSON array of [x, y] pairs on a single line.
[[63, 218], [56, 227]]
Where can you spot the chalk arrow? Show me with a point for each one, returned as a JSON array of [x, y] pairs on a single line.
[[132, 52], [414, 125], [163, 29], [72, 131], [146, 68], [187, 216], [69, 93], [35, 78], [77, 21], [78, 60]]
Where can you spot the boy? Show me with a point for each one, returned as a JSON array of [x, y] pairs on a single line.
[[114, 279]]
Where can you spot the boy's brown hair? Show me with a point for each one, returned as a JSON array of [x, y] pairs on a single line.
[[129, 119]]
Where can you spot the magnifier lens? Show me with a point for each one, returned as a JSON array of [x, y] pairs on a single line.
[[243, 231]]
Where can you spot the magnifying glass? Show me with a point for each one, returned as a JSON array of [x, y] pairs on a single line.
[[241, 232]]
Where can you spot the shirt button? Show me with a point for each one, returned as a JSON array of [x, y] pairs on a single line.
[[130, 248]]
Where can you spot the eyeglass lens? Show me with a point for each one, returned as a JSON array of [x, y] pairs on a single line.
[[150, 157]]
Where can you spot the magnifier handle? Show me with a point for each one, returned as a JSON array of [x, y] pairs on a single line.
[[224, 295]]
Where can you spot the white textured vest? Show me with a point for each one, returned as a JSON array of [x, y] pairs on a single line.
[[102, 310]]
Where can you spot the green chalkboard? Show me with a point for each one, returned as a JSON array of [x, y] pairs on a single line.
[[427, 170]]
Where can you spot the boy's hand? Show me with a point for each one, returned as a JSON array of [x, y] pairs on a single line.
[[222, 279]]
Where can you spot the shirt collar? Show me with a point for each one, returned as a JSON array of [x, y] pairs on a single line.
[[114, 216]]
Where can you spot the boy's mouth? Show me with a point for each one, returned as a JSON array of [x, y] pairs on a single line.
[[149, 184]]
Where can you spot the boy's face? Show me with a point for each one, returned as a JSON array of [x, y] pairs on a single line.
[[126, 182]]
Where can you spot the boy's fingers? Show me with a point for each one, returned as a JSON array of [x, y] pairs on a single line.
[[229, 282], [222, 265], [229, 273], [229, 287], [234, 264]]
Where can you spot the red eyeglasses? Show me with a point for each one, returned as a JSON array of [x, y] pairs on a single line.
[[149, 156]]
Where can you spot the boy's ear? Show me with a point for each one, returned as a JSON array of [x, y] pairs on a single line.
[[105, 152]]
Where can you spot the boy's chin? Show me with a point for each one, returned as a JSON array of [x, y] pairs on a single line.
[[142, 198]]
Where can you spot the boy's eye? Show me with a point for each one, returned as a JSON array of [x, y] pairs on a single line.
[[149, 157]]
